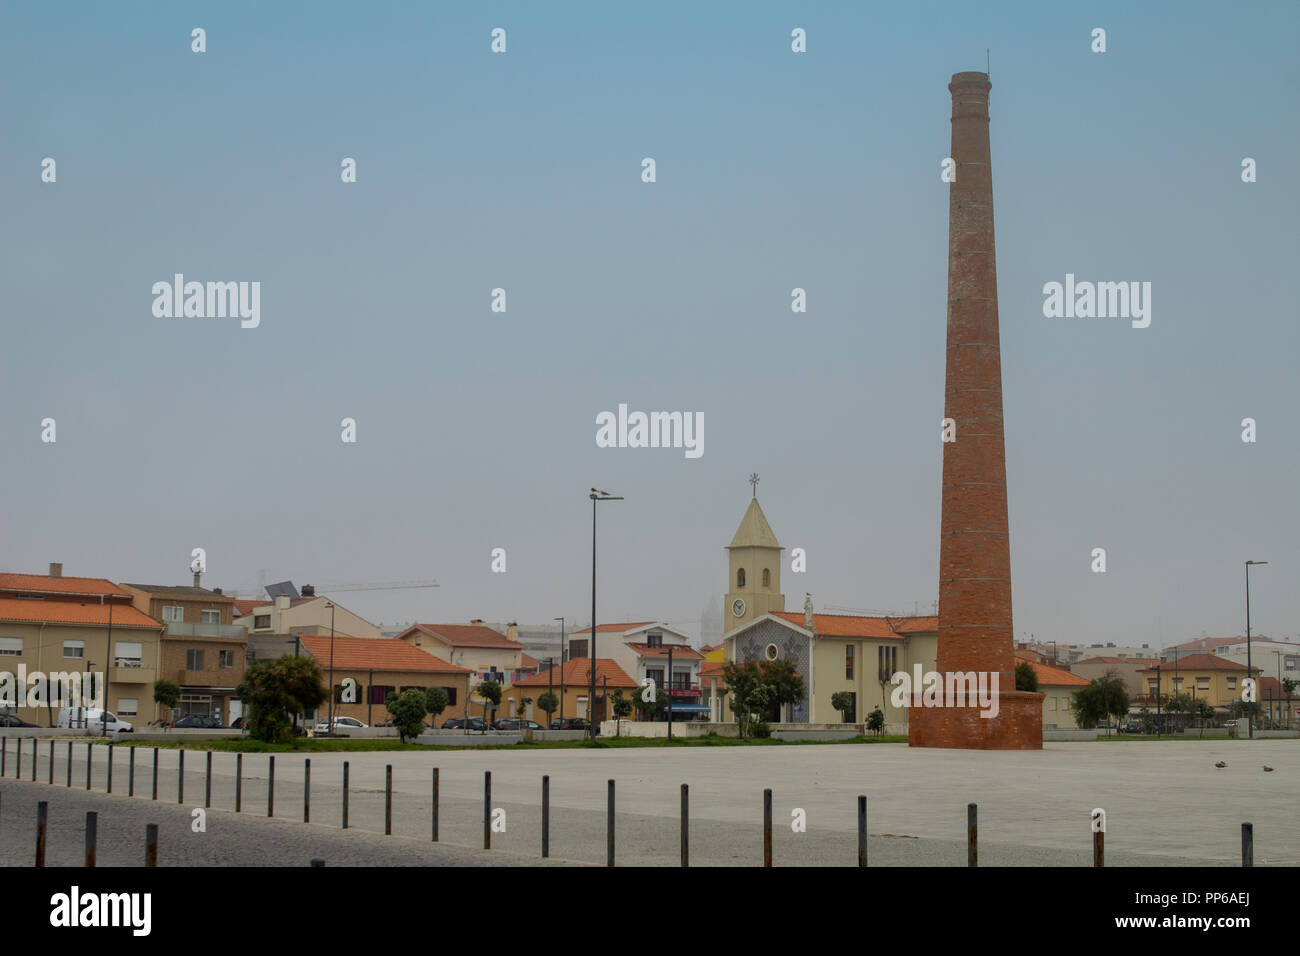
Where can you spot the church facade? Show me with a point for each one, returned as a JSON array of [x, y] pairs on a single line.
[[832, 652]]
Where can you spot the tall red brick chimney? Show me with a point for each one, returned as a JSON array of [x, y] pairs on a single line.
[[975, 628]]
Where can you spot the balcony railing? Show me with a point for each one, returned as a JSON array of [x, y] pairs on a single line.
[[226, 631]]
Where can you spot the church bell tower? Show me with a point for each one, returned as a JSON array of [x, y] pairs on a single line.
[[754, 559]]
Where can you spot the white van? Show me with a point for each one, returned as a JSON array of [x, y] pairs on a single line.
[[91, 718]]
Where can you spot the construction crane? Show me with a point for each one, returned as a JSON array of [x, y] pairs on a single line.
[[387, 586]]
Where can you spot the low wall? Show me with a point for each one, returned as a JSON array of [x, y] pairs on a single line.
[[656, 728]]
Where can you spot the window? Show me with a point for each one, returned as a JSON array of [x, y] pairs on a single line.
[[1232, 683], [1202, 683], [127, 706], [194, 660], [210, 617], [261, 622], [128, 654], [11, 646], [655, 640], [771, 652], [200, 704], [1153, 685], [378, 692], [577, 649], [886, 663], [740, 579], [767, 578], [655, 674], [225, 658], [848, 662], [173, 615], [451, 696], [74, 648], [851, 715]]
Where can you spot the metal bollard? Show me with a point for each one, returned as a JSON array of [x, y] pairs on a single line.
[[4, 754], [345, 795], [767, 827], [151, 845], [207, 785], [317, 861], [92, 828], [546, 816], [180, 779], [239, 781], [306, 792], [609, 828], [487, 809], [109, 784], [18, 775], [42, 820], [1247, 844], [51, 763], [155, 773], [130, 773], [388, 800], [972, 836], [862, 830], [1099, 848], [686, 824], [435, 804], [69, 764], [270, 788], [35, 760], [89, 761]]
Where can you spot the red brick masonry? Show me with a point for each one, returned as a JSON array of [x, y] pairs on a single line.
[[975, 627]]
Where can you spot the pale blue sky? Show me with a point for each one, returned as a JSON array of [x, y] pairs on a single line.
[[775, 170]]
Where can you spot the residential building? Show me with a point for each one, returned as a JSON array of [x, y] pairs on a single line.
[[1202, 676], [487, 653], [203, 650], [1127, 669], [642, 651], [1058, 687], [309, 613], [66, 627], [571, 684], [376, 666]]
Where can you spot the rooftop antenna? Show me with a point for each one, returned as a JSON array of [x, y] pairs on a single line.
[[988, 67]]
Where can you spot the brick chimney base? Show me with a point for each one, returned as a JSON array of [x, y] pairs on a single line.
[[1018, 725]]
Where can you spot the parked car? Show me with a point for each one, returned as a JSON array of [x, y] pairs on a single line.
[[199, 721], [515, 723], [390, 722], [11, 720], [570, 723], [92, 718], [340, 723], [1131, 727], [239, 723], [458, 723]]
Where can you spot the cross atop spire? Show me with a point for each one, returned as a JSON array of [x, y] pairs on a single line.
[[753, 480]]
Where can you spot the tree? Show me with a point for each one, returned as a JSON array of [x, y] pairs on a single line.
[[842, 701], [435, 702], [1202, 710], [650, 709], [166, 694], [1179, 704], [490, 691], [876, 721], [622, 708], [521, 709], [759, 687], [1026, 677], [276, 690], [549, 704], [1103, 697], [407, 709]]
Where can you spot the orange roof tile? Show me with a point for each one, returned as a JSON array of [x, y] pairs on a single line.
[[853, 625], [465, 635], [577, 673], [244, 608], [1052, 676], [375, 653], [1199, 662], [44, 584], [526, 660], [73, 612], [711, 669], [615, 628]]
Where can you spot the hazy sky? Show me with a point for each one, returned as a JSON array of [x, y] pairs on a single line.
[[522, 170]]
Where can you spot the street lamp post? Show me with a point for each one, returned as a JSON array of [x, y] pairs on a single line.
[[1250, 715], [591, 709], [669, 682], [563, 658], [329, 730]]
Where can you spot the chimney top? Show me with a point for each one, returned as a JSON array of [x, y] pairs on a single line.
[[56, 570], [477, 620], [309, 590], [216, 590]]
